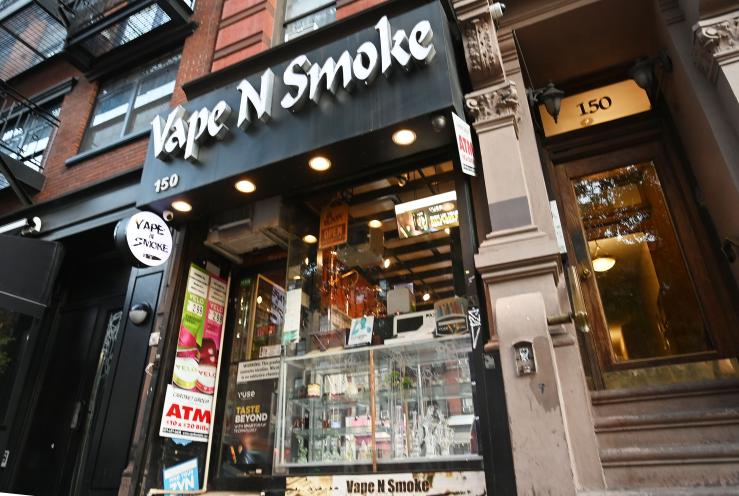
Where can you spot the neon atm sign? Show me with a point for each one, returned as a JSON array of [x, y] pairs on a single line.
[[180, 134]]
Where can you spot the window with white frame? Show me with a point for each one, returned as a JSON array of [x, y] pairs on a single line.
[[29, 136], [127, 106], [304, 16], [26, 136]]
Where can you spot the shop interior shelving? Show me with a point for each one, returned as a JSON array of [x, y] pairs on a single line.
[[404, 402]]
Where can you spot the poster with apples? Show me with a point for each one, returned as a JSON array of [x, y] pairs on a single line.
[[196, 363]]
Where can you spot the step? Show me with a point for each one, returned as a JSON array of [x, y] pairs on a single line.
[[668, 428], [718, 394], [701, 465]]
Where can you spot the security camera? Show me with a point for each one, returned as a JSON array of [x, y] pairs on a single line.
[[497, 9], [168, 215], [438, 123]]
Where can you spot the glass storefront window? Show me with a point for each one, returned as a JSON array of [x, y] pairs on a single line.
[[345, 347], [648, 298], [360, 303]]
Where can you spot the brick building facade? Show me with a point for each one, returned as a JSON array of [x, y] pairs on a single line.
[[604, 132]]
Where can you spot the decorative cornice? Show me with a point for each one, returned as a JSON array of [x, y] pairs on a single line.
[[494, 104], [481, 50], [715, 40], [466, 9]]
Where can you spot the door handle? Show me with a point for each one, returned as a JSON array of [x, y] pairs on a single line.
[[76, 415], [579, 314]]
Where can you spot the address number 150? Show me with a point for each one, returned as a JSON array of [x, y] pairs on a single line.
[[166, 182]]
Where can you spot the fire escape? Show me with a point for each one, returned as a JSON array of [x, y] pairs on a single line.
[[100, 37], [29, 35], [108, 35]]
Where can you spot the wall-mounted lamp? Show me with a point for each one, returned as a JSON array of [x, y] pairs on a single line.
[[139, 313], [643, 71], [550, 96]]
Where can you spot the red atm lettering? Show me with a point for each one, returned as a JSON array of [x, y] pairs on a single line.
[[465, 145], [184, 412]]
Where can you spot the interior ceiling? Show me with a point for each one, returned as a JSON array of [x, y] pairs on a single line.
[[424, 260], [582, 41]]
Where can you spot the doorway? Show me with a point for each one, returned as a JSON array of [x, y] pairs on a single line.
[[658, 312], [86, 332]]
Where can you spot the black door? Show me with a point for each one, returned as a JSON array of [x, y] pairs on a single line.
[[84, 331], [60, 417]]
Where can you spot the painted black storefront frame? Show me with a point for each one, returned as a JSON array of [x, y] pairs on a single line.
[[216, 193]]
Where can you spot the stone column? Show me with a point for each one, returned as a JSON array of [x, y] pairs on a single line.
[[554, 446], [493, 107]]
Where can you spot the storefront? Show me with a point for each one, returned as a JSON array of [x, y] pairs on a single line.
[[324, 324]]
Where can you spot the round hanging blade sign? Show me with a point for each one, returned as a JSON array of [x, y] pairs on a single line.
[[145, 238]]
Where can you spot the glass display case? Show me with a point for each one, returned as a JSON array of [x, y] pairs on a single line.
[[398, 403]]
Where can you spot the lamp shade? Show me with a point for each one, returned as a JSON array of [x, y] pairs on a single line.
[[603, 263]]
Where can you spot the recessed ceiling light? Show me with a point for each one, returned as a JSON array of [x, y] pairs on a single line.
[[310, 239], [386, 263], [319, 163], [426, 296], [404, 137], [245, 186], [375, 224], [181, 206], [259, 300]]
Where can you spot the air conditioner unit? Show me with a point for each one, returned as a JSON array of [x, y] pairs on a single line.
[[263, 224]]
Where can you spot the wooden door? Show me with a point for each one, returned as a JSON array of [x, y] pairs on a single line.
[[647, 267]]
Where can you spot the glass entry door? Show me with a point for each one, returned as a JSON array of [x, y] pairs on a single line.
[[650, 299]]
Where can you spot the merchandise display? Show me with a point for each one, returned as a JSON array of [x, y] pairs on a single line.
[[395, 403]]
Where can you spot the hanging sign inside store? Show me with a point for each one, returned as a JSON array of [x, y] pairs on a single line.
[[145, 237], [596, 106], [427, 215], [334, 228], [248, 434], [471, 483], [181, 134], [464, 145]]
